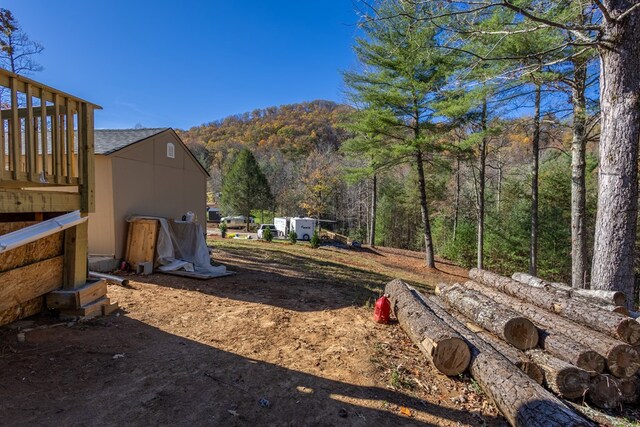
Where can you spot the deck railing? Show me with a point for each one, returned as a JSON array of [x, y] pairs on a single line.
[[46, 137]]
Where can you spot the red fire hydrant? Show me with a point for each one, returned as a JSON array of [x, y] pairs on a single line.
[[382, 310]]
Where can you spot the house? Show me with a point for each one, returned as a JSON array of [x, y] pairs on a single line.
[[142, 172], [46, 193]]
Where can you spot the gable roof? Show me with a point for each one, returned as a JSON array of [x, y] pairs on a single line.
[[107, 141]]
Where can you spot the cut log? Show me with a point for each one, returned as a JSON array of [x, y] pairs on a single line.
[[604, 392], [507, 324], [630, 389], [444, 347], [521, 400], [564, 348], [561, 377], [513, 355], [621, 359], [585, 296], [613, 324]]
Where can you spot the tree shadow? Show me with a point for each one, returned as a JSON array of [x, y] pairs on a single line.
[[121, 371]]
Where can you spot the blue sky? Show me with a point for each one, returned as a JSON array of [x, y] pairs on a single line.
[[180, 64]]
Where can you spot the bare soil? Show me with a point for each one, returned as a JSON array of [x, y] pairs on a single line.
[[287, 340]]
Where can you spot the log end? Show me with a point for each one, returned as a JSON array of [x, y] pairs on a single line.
[[621, 310], [591, 362], [521, 333], [629, 331], [533, 371], [630, 389], [573, 382], [604, 392], [450, 356], [623, 361], [619, 298]]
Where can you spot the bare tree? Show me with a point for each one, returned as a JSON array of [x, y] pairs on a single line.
[[16, 49]]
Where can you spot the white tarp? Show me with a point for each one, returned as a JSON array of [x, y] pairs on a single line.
[[181, 246]]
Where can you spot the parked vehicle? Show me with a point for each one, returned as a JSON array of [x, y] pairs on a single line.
[[272, 227], [236, 221], [282, 225], [303, 227]]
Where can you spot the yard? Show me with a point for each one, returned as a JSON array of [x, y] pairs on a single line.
[[287, 340]]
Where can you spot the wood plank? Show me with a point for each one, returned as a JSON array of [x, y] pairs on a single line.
[[75, 256], [88, 181], [23, 284], [141, 241], [43, 129], [38, 201], [92, 291], [3, 159], [14, 131], [110, 308], [30, 137], [56, 145], [22, 112], [90, 310], [20, 311], [69, 139]]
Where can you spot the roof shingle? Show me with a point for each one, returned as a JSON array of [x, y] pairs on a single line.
[[107, 141]]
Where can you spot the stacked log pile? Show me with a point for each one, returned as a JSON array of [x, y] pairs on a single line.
[[535, 346]]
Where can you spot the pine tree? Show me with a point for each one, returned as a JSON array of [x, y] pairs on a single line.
[[245, 187]]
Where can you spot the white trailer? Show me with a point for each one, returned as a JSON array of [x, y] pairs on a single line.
[[303, 227], [282, 225]]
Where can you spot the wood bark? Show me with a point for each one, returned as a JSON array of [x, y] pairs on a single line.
[[604, 392], [561, 377], [521, 400], [579, 261], [515, 356], [482, 165], [507, 324], [374, 206], [597, 296], [621, 359], [444, 347], [615, 229], [535, 160], [613, 324], [424, 209]]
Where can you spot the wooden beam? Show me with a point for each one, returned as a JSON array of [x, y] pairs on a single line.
[[43, 129], [38, 201], [22, 112], [26, 283], [87, 158], [14, 131], [69, 137], [56, 145], [75, 256], [30, 137], [3, 160], [76, 298]]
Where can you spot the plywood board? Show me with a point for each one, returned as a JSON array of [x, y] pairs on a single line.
[[26, 283], [20, 311], [41, 249], [141, 241]]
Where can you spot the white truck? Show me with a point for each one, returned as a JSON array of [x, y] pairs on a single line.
[[282, 225], [303, 227]]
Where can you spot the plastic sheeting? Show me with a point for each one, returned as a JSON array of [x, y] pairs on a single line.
[[181, 246]]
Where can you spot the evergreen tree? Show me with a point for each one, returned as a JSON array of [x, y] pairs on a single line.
[[402, 81], [245, 187]]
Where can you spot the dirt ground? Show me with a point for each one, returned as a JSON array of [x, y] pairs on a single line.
[[287, 340]]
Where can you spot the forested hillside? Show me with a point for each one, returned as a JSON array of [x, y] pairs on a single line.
[[307, 153]]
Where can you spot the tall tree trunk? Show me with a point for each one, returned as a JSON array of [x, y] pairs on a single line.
[[374, 203], [482, 157], [617, 181], [456, 202], [424, 209], [499, 190], [535, 160], [579, 262]]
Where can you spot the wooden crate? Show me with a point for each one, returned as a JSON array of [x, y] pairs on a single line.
[[141, 241]]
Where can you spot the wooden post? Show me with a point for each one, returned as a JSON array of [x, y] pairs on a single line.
[[43, 131], [86, 147], [56, 145], [75, 256], [69, 131], [3, 161], [14, 130], [30, 137]]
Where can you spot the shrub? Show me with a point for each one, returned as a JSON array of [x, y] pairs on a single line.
[[223, 229], [315, 240], [293, 237], [266, 235]]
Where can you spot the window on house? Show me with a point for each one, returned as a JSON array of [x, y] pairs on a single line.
[[171, 150]]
